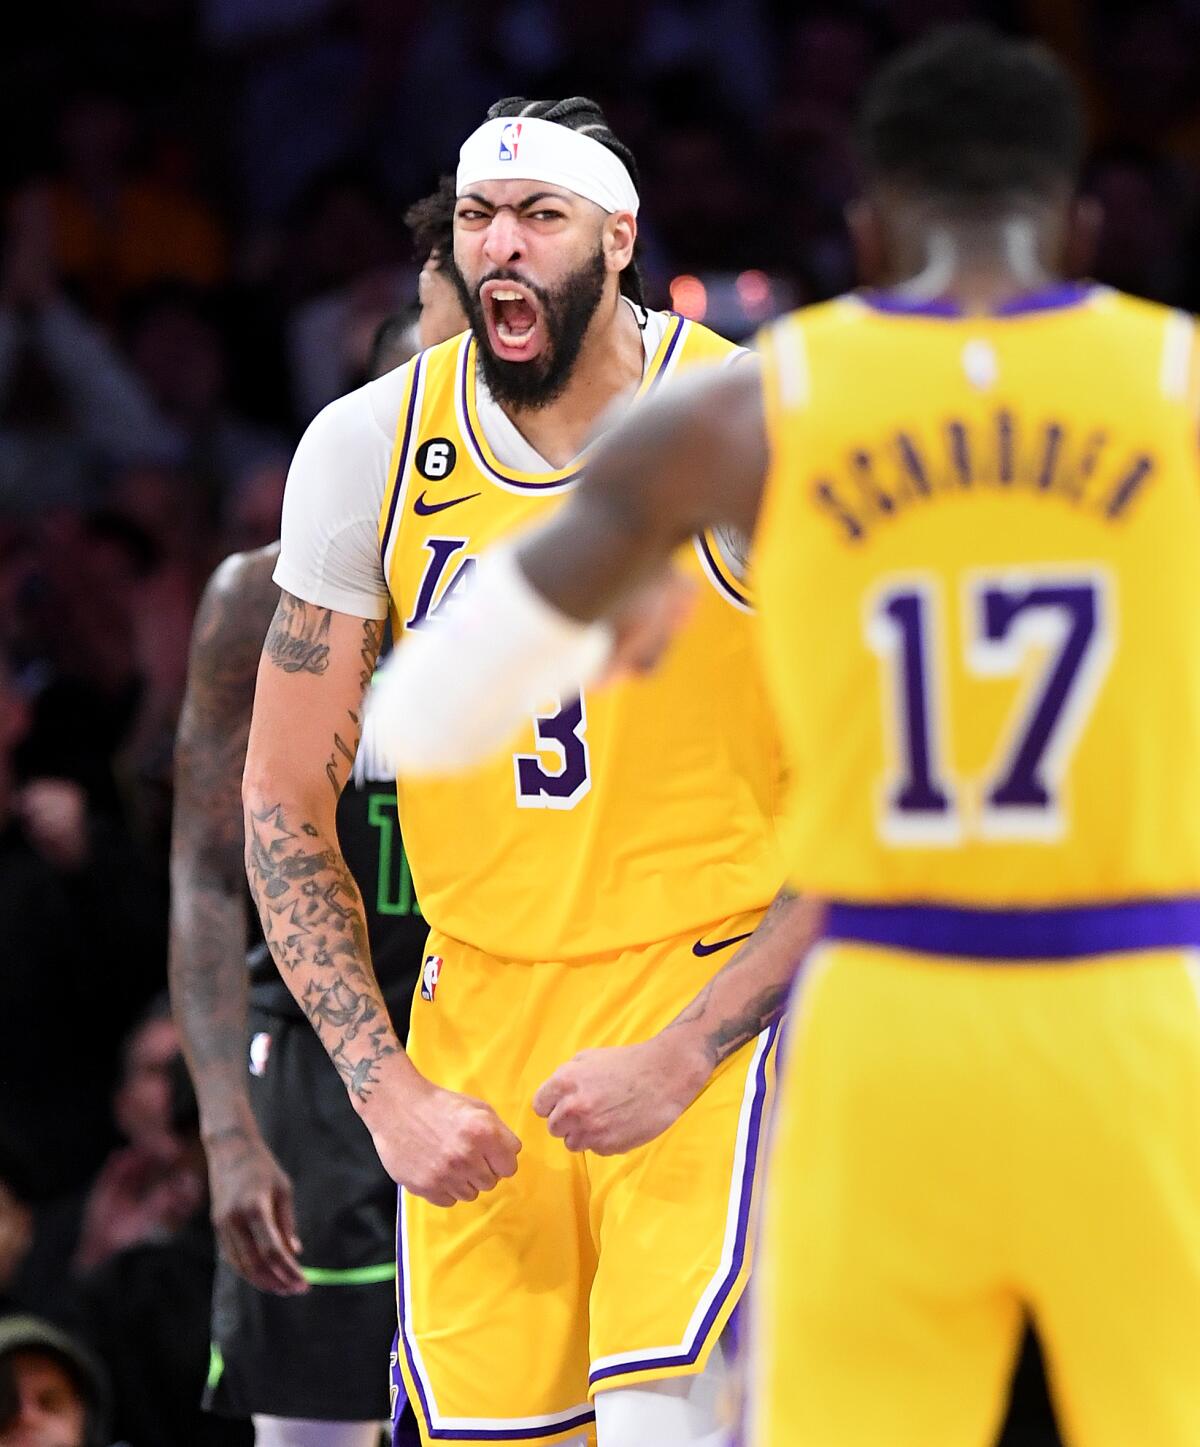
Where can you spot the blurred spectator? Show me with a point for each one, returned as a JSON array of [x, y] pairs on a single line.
[[104, 618], [151, 1186], [1141, 219], [118, 226], [90, 407], [701, 189], [177, 347], [345, 268], [83, 946], [253, 512], [52, 1391], [147, 1305]]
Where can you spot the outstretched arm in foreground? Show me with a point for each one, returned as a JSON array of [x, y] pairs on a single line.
[[315, 668], [693, 459], [251, 1195]]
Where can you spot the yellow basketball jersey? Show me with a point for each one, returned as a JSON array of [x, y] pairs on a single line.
[[978, 568], [616, 820]]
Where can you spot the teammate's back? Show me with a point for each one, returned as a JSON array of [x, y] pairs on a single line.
[[977, 554]]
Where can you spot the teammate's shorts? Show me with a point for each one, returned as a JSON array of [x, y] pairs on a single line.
[[582, 1272], [957, 1144], [323, 1355]]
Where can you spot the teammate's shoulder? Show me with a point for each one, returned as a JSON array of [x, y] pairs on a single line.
[[243, 575], [236, 606], [1107, 302]]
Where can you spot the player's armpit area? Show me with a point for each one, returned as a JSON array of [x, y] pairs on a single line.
[[694, 458]]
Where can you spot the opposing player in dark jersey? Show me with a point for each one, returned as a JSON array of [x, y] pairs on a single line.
[[304, 1305]]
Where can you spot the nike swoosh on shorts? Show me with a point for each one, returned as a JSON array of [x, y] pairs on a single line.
[[701, 949], [427, 509]]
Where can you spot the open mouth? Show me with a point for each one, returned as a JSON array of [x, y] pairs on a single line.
[[516, 330]]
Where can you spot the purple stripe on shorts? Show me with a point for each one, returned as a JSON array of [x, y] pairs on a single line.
[[462, 1434], [402, 460], [688, 1355], [1066, 933]]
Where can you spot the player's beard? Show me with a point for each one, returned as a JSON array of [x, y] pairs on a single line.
[[567, 311]]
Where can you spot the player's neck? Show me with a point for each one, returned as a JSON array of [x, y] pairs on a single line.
[[609, 367], [981, 267]]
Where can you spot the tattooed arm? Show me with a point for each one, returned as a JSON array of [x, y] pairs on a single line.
[[315, 668], [251, 1195], [610, 1101]]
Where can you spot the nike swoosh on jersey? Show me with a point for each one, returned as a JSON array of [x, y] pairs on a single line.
[[427, 509], [701, 949]]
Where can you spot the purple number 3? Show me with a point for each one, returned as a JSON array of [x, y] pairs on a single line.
[[560, 734]]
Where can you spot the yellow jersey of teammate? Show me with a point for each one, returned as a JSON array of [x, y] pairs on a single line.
[[615, 821], [962, 596], [979, 616]]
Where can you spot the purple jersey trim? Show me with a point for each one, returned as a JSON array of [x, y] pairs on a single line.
[[678, 323], [551, 483], [688, 1355], [402, 459], [1053, 298], [1071, 932], [477, 447], [421, 1403], [717, 573]]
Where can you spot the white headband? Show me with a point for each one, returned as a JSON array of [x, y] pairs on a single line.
[[528, 149]]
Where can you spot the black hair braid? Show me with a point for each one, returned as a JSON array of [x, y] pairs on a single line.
[[580, 113]]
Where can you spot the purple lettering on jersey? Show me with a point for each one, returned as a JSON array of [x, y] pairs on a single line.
[[561, 734], [441, 551], [1023, 785]]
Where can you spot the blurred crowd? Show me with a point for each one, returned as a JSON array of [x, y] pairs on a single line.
[[202, 206]]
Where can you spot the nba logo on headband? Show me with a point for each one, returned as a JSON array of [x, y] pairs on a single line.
[[510, 139]]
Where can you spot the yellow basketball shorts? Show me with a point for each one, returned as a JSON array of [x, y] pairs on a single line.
[[582, 1273], [956, 1145]]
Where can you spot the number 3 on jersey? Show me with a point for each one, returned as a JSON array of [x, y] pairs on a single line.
[[559, 774], [1066, 617]]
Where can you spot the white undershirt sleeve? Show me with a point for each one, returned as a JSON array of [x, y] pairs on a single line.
[[329, 543]]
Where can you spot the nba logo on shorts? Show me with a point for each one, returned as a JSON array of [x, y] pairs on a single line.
[[510, 139], [260, 1048], [430, 971]]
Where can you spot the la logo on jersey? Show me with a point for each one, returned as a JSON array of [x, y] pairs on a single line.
[[510, 139], [430, 973]]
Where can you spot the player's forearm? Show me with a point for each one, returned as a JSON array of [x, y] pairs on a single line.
[[207, 971], [315, 927], [751, 992]]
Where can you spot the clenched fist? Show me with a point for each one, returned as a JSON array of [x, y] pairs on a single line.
[[439, 1145], [612, 1100]]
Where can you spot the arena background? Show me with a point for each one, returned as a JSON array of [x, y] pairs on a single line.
[[202, 205]]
